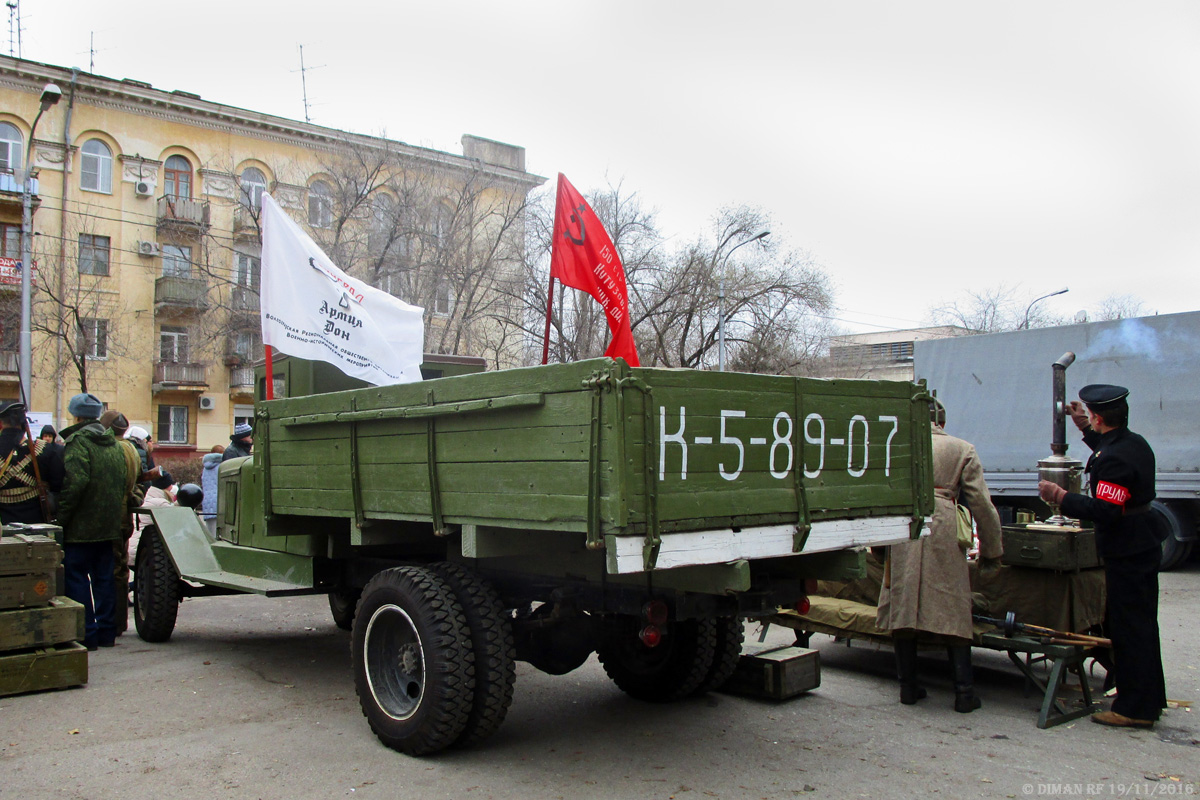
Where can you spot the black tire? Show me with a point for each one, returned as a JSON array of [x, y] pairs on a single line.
[[1176, 522], [156, 589], [662, 674], [414, 669], [495, 654], [343, 604], [727, 649]]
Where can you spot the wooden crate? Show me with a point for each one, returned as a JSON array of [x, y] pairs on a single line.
[[60, 621], [55, 667], [28, 566], [1056, 547], [775, 673]]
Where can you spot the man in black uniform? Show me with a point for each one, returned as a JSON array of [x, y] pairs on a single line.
[[1121, 478]]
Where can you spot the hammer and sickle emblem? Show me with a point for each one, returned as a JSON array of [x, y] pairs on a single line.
[[582, 229]]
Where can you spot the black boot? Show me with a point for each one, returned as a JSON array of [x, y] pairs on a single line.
[[965, 700], [906, 670]]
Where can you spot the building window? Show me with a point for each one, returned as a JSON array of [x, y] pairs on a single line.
[[173, 345], [93, 254], [247, 271], [177, 178], [11, 147], [320, 205], [440, 225], [93, 338], [10, 241], [242, 414], [254, 183], [441, 297], [383, 221], [173, 424], [176, 261], [248, 345], [95, 173]]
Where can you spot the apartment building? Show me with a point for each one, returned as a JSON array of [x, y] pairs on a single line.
[[147, 242]]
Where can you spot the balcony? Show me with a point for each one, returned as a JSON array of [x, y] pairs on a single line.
[[245, 300], [246, 224], [183, 215], [172, 375], [173, 293], [241, 381], [10, 365], [10, 189]]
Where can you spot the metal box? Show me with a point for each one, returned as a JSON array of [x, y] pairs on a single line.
[[1041, 546], [775, 673]]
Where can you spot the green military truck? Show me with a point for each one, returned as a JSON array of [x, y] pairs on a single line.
[[543, 514]]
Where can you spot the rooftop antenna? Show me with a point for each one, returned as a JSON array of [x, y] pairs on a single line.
[[91, 51], [304, 83], [14, 26]]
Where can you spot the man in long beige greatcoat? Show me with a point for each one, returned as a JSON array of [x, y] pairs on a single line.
[[929, 591]]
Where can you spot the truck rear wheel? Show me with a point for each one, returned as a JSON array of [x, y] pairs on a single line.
[[343, 604], [156, 589], [492, 642], [1176, 522], [726, 652], [414, 669], [671, 670]]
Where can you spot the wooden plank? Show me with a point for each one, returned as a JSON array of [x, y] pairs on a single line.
[[60, 621], [19, 591], [37, 670]]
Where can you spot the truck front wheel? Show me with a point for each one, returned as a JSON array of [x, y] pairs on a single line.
[[676, 667], [414, 666], [156, 589], [342, 604]]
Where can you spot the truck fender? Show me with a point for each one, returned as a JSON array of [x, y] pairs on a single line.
[[188, 543]]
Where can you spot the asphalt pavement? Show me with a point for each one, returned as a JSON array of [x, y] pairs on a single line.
[[254, 698]]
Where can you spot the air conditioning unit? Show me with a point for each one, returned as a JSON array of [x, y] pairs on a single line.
[[207, 403], [143, 188], [147, 248]]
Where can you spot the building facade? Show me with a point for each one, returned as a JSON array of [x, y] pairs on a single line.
[[147, 242], [883, 355]]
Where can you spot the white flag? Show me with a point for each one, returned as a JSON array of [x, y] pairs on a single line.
[[311, 309]]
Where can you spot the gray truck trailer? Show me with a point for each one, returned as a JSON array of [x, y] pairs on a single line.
[[997, 389]]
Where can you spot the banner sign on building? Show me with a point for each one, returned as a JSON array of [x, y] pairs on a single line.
[[10, 272], [313, 310]]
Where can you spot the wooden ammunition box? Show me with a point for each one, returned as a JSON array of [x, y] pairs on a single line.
[[24, 628], [1062, 548], [36, 670], [28, 563], [775, 673]]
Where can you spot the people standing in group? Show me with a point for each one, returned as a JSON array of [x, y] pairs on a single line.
[[927, 588], [92, 505], [20, 500], [241, 441], [116, 422], [159, 495], [1121, 479]]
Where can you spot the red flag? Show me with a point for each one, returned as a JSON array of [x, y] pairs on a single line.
[[583, 257]]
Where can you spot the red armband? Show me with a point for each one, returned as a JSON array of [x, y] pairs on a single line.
[[1112, 493]]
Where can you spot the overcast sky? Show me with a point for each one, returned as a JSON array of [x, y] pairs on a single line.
[[917, 149]]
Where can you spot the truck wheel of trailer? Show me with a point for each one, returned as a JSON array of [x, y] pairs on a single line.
[[727, 650], [414, 667], [156, 589], [492, 643], [1177, 522], [674, 668], [343, 604]]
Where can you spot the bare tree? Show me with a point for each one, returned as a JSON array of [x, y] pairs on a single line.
[[1121, 306], [997, 308]]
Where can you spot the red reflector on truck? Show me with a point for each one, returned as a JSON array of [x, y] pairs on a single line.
[[802, 606], [650, 636]]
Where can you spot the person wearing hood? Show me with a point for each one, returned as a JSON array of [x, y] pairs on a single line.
[[240, 442], [208, 482], [91, 506]]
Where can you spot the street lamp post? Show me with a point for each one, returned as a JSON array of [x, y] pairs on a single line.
[[721, 297], [50, 96], [1025, 322]]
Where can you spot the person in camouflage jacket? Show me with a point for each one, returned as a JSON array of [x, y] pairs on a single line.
[[90, 510]]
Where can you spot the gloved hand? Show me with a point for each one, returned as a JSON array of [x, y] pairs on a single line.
[[988, 567], [1079, 414], [1052, 493]]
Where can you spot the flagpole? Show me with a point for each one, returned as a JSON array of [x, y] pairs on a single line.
[[269, 371], [546, 338]]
